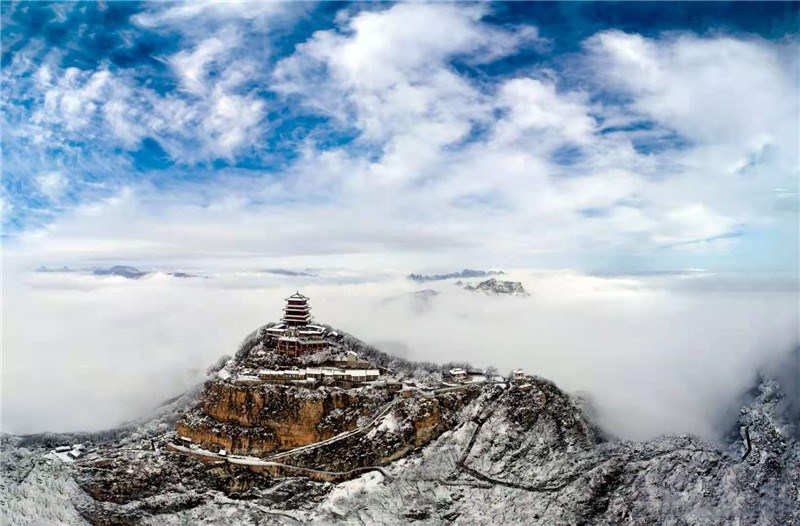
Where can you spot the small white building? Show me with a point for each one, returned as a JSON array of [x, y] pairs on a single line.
[[294, 374], [458, 373], [518, 375], [357, 376]]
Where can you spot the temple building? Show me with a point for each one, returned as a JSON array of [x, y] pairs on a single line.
[[297, 313], [296, 335]]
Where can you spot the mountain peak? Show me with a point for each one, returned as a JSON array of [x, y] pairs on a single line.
[[495, 287]]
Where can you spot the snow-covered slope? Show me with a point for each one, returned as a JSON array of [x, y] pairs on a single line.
[[523, 453], [495, 287], [529, 457]]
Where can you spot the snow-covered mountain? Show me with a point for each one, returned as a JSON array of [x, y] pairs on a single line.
[[466, 273], [521, 452], [495, 287]]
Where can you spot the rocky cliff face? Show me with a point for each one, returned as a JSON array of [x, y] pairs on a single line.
[[411, 424], [268, 418]]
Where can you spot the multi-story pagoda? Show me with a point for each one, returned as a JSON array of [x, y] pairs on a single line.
[[296, 313], [296, 335]]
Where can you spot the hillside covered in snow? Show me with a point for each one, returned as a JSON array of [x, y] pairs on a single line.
[[504, 452]]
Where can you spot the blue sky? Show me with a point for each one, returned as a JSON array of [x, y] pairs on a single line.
[[595, 136]]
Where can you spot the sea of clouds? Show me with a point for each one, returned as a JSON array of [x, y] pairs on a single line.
[[657, 354]]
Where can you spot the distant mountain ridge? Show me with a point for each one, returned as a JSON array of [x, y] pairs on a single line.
[[54, 270], [288, 272], [120, 270], [123, 271], [466, 273], [495, 287]]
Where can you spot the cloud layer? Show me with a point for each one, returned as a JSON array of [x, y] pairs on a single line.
[[675, 149], [656, 354]]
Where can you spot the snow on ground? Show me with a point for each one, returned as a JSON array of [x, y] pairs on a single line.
[[222, 510], [389, 424], [339, 500], [44, 496], [63, 456]]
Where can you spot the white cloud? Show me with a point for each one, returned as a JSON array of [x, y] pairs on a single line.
[[535, 107], [233, 123], [123, 120], [53, 184], [192, 66], [692, 222], [220, 119], [736, 101], [469, 158], [62, 11], [367, 74], [389, 70], [646, 349], [73, 101], [217, 112], [412, 114], [195, 17], [6, 207], [711, 90], [386, 48]]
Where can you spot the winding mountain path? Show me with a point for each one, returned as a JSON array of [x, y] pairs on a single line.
[[341, 436]]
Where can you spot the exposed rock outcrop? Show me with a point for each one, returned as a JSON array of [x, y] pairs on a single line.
[[495, 287], [269, 418], [412, 423]]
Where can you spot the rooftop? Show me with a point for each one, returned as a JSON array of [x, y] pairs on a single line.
[[296, 296]]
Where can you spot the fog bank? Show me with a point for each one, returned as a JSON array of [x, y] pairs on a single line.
[[659, 354]]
